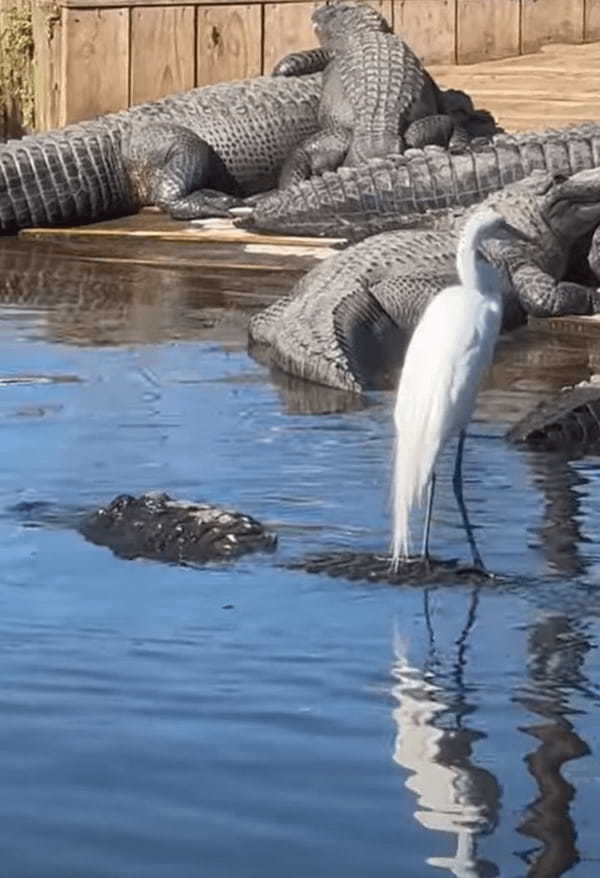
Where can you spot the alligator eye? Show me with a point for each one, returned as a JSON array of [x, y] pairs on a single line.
[[559, 178]]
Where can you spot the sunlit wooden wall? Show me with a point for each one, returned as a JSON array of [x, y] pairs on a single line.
[[92, 57]]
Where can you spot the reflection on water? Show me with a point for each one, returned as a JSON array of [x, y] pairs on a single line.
[[434, 743], [112, 303], [557, 649], [560, 534], [305, 398]]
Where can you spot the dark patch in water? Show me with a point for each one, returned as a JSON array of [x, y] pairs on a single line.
[[158, 527], [378, 568]]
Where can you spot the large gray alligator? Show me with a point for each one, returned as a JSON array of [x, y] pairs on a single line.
[[347, 322], [377, 96], [405, 191], [193, 154]]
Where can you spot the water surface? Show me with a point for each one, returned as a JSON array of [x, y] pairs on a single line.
[[243, 721]]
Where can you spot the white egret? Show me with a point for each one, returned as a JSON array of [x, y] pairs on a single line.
[[448, 353]]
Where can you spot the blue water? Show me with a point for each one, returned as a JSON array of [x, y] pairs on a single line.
[[316, 727]]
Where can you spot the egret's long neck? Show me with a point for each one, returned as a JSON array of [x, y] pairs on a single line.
[[474, 232]]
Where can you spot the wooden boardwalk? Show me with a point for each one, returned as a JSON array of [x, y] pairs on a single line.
[[557, 86], [554, 87]]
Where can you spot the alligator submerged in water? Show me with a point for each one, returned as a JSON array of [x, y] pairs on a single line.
[[193, 154], [405, 191], [377, 96], [158, 527], [346, 324]]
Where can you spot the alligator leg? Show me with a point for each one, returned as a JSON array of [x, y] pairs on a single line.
[[301, 63], [436, 130], [189, 179], [593, 256], [459, 139], [201, 204], [324, 151], [543, 296]]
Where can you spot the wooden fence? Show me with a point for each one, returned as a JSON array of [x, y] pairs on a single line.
[[93, 56]]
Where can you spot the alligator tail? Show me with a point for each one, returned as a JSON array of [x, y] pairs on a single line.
[[402, 191], [54, 179]]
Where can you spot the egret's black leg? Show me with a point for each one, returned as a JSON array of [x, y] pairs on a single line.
[[425, 549], [458, 493]]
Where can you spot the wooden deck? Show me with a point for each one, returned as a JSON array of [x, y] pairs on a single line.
[[554, 87]]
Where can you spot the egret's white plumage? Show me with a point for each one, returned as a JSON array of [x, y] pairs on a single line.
[[448, 353]]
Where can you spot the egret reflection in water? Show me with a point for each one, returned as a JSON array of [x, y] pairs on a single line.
[[433, 742]]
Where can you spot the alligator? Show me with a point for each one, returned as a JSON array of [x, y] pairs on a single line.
[[193, 154], [374, 567], [375, 91], [347, 322], [568, 421], [407, 191], [157, 527], [377, 96]]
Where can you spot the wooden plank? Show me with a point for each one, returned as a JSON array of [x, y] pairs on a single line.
[[95, 69], [88, 4], [228, 43], [288, 28], [550, 21], [583, 327], [151, 225], [591, 20], [223, 260], [162, 51], [47, 37], [429, 28], [487, 29]]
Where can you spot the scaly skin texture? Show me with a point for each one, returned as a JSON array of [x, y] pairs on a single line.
[[227, 140], [377, 96], [374, 86], [346, 324], [158, 527], [402, 191]]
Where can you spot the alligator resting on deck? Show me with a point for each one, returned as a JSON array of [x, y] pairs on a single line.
[[377, 96], [158, 527], [405, 191], [347, 322], [193, 154]]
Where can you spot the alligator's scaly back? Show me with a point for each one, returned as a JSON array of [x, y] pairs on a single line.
[[347, 322], [81, 173], [400, 191]]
